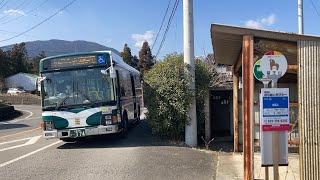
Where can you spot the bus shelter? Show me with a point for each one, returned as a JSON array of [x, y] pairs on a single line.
[[241, 48]]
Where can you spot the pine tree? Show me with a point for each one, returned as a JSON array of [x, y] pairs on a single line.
[[146, 60], [135, 60], [126, 55]]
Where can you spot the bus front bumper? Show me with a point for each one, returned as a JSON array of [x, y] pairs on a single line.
[[81, 132]]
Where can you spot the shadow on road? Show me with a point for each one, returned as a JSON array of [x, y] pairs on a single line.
[[139, 135], [12, 126]]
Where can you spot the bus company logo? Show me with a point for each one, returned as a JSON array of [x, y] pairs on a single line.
[[101, 59], [77, 121]]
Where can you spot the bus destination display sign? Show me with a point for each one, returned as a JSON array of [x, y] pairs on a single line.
[[74, 61]]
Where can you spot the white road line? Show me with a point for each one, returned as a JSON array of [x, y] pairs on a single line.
[[17, 120], [31, 113], [29, 154], [13, 121], [8, 142], [31, 141]]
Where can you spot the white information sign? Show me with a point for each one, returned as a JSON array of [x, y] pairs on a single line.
[[275, 109], [274, 116]]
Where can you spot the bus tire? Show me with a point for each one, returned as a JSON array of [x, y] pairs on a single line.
[[138, 118], [124, 132]]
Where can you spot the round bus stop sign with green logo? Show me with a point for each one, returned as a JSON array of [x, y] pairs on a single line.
[[257, 70]]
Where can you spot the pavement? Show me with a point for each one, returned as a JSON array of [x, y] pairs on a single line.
[[230, 166], [24, 154]]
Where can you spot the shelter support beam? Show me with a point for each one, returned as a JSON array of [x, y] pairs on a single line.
[[235, 111], [238, 64], [247, 105]]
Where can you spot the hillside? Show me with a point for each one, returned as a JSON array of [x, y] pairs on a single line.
[[56, 47]]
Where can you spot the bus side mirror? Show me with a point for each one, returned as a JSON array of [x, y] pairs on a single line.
[[39, 80], [111, 73]]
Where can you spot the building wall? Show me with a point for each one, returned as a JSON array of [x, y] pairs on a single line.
[[21, 80], [309, 100]]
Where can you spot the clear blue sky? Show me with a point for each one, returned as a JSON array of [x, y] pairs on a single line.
[[115, 22]]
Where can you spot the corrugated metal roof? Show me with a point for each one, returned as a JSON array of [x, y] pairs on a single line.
[[227, 40]]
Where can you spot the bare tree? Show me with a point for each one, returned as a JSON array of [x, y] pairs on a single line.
[[219, 78]]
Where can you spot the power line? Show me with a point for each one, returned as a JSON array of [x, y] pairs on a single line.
[[15, 9], [168, 25], [314, 6], [29, 12], [1, 2], [66, 6], [164, 17], [4, 4], [16, 12], [10, 32]]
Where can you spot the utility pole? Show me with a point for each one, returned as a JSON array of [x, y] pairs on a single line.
[[300, 16], [188, 37]]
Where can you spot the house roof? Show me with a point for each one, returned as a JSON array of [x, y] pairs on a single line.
[[26, 74], [227, 41]]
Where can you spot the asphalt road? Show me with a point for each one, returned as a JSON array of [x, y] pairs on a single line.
[[24, 154]]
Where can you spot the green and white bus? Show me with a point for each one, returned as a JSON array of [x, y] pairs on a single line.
[[85, 94]]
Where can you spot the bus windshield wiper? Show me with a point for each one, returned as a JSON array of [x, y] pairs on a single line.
[[84, 95], [63, 100]]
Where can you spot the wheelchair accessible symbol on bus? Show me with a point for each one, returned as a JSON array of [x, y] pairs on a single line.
[[101, 59]]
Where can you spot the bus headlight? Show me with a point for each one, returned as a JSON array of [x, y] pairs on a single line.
[[108, 122], [115, 119], [48, 125]]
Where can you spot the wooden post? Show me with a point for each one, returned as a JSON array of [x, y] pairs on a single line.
[[267, 172], [235, 111], [247, 105]]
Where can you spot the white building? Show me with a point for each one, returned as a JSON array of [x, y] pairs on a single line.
[[23, 80]]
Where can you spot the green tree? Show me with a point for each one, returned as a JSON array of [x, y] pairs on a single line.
[[34, 69], [18, 58], [136, 62], [126, 55], [146, 60], [168, 95]]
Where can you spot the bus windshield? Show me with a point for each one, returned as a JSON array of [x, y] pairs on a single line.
[[76, 87]]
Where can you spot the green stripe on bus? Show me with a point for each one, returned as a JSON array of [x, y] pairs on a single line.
[[58, 121], [94, 119]]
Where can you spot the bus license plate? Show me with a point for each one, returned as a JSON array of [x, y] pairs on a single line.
[[77, 133]]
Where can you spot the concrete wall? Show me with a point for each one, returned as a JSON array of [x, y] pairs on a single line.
[[21, 99]]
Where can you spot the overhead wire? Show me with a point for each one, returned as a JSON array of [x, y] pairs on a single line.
[[1, 2], [315, 8], [14, 10], [168, 26], [4, 4], [163, 19], [28, 12], [54, 14]]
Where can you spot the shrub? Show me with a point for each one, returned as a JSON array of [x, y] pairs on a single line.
[[168, 97]]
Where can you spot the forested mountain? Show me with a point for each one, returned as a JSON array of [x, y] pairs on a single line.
[[56, 47]]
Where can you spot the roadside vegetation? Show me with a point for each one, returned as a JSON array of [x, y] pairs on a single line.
[[168, 96]]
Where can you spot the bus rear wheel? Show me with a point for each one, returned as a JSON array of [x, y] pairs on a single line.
[[124, 132]]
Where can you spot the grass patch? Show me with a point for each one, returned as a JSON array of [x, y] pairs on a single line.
[[2, 105]]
